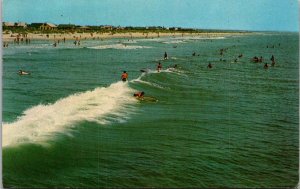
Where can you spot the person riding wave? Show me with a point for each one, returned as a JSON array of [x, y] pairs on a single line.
[[139, 94], [124, 76], [21, 72]]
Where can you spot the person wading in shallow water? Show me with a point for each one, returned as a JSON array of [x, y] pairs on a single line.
[[159, 67], [273, 61], [165, 56]]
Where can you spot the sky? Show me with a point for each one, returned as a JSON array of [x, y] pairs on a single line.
[[253, 15]]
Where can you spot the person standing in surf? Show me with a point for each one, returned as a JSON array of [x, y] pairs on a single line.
[[273, 60], [165, 56], [124, 76], [159, 67]]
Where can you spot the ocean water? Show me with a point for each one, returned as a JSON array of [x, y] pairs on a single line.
[[73, 123]]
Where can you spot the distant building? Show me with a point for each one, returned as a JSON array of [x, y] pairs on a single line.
[[21, 24], [43, 26], [107, 27], [48, 26], [11, 25], [8, 24]]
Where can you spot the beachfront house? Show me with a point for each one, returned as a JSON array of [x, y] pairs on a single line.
[[43, 26], [107, 27], [48, 26], [13, 25], [8, 24], [21, 25]]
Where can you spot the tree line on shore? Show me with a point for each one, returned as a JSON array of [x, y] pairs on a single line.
[[72, 28]]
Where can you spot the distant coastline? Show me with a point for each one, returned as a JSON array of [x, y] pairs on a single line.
[[47, 31]]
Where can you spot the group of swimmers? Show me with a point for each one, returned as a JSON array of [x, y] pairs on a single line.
[[256, 59], [58, 41], [5, 44]]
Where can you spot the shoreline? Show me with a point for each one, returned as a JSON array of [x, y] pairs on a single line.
[[10, 37]]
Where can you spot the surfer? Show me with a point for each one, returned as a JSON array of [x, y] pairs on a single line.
[[124, 76], [21, 72], [159, 67], [165, 56], [139, 94]]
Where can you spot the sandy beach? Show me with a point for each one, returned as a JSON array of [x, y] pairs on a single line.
[[7, 37]]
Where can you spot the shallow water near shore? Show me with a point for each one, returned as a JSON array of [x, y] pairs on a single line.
[[73, 123]]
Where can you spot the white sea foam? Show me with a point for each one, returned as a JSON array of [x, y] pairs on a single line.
[[173, 42], [41, 122], [118, 46], [186, 38]]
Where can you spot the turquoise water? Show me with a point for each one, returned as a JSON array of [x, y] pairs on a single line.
[[72, 123]]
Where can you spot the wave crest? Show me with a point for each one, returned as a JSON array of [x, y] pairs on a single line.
[[42, 121]]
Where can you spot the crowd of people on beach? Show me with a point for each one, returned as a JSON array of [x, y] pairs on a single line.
[[20, 38]]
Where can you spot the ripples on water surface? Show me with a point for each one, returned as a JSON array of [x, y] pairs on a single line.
[[71, 123]]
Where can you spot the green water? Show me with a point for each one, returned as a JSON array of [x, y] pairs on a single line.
[[235, 125]]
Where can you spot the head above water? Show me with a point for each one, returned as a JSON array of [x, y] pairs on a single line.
[[124, 71]]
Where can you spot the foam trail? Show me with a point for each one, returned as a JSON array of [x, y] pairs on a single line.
[[173, 42], [148, 83], [40, 122]]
